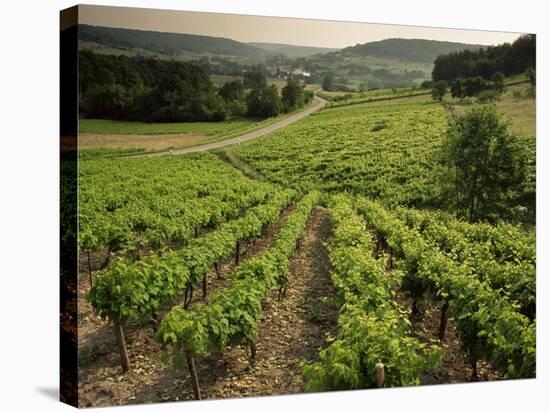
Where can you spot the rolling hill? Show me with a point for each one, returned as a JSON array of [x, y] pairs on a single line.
[[411, 50], [168, 43], [385, 63], [292, 50]]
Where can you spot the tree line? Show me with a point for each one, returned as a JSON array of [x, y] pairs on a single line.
[[153, 90], [508, 58], [476, 86]]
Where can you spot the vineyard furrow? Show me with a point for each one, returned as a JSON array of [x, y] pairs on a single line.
[[372, 327], [231, 316], [493, 259], [489, 324]]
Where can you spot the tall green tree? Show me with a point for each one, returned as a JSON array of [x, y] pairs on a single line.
[[497, 82], [328, 82], [439, 90], [486, 165], [233, 90], [457, 88], [292, 95], [532, 75], [256, 78], [264, 102]]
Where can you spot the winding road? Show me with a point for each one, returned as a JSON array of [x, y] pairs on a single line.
[[247, 136]]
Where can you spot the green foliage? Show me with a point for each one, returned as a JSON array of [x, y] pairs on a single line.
[[336, 150], [308, 96], [292, 95], [477, 86], [532, 75], [379, 125], [503, 255], [489, 95], [506, 58], [498, 82], [427, 84], [328, 82], [439, 90], [372, 327], [373, 95], [231, 316], [128, 289], [264, 102], [487, 321], [135, 203], [232, 91], [486, 165], [255, 79], [119, 87]]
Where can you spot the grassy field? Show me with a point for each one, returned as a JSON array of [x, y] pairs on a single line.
[[219, 80], [515, 104], [343, 99], [521, 111], [101, 137], [104, 126], [340, 67], [145, 142]]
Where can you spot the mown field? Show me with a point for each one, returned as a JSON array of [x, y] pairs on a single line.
[[102, 137], [222, 273], [518, 106]]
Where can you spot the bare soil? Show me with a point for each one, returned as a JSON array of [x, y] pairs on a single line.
[[291, 332], [454, 367]]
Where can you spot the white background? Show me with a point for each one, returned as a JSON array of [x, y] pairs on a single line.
[[29, 101]]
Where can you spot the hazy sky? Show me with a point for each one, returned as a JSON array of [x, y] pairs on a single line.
[[303, 32]]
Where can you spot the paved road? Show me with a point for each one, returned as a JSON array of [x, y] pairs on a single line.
[[247, 136]]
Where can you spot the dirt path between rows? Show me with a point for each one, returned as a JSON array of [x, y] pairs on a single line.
[[453, 368], [292, 331]]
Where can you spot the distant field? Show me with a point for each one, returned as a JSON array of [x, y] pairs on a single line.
[[342, 99], [395, 67], [100, 137], [516, 106], [126, 136], [219, 80], [104, 126], [521, 77], [146, 142]]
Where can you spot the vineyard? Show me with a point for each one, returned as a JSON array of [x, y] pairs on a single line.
[[374, 95], [385, 151], [315, 258]]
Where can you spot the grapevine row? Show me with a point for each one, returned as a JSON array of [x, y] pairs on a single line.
[[130, 289], [513, 275], [231, 317], [488, 323], [384, 151], [141, 227], [149, 202], [507, 242], [372, 327]]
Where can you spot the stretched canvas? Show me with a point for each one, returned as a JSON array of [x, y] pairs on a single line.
[[255, 206]]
